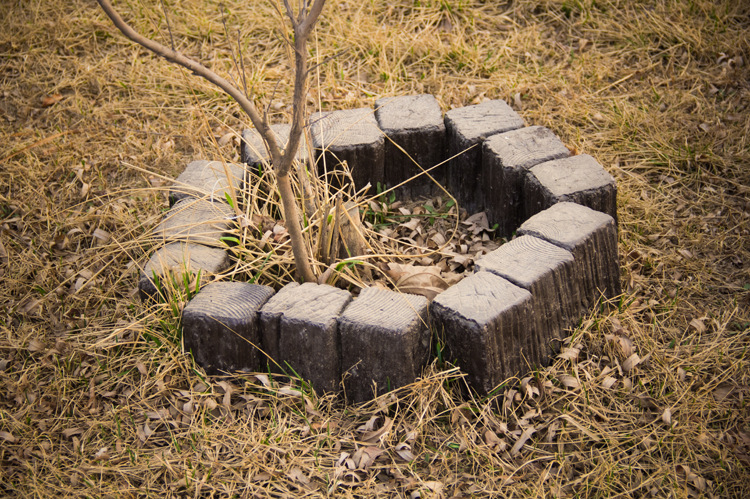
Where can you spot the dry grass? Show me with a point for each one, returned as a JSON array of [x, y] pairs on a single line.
[[648, 399]]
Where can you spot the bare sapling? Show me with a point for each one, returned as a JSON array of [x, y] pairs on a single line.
[[303, 23]]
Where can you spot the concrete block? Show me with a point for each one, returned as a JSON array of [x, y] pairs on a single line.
[[415, 132], [270, 320], [353, 136], [308, 338], [485, 321], [196, 221], [207, 180], [548, 273], [466, 129], [220, 326], [579, 179], [253, 149], [179, 258], [505, 159], [591, 236], [384, 342]]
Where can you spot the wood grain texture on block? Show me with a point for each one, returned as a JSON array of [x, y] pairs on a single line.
[[485, 321], [270, 320], [195, 221], [384, 342], [308, 338], [178, 258], [505, 159], [353, 136], [253, 149], [578, 179], [207, 180], [415, 141], [548, 273], [220, 326], [466, 128], [591, 236]]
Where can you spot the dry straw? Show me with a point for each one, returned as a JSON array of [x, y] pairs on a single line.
[[649, 395]]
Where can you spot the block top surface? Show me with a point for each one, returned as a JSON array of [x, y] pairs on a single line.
[[572, 174], [254, 149], [409, 112], [195, 220], [476, 122], [235, 300], [526, 147], [308, 302], [524, 260], [207, 178], [385, 309], [186, 256], [566, 224], [349, 127], [482, 297]]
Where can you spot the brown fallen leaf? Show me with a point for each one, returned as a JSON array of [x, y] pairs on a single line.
[[8, 437], [371, 437], [404, 452], [631, 362], [71, 431], [525, 436], [51, 100], [297, 475], [568, 381]]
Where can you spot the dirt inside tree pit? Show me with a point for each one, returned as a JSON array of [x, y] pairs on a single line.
[[430, 244]]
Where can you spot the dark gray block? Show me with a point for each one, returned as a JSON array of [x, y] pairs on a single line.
[[220, 326], [579, 179], [485, 321], [505, 159], [466, 127], [308, 338], [415, 132], [196, 221], [208, 180], [270, 319], [179, 258], [384, 340], [353, 136], [548, 273], [591, 236], [253, 149]]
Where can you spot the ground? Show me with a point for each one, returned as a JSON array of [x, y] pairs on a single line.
[[649, 395]]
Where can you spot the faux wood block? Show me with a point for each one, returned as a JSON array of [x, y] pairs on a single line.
[[415, 133], [486, 322], [579, 179], [548, 273], [270, 319], [196, 221], [220, 326], [466, 128], [505, 159], [591, 236], [253, 149], [207, 180], [308, 338], [385, 342], [353, 136], [179, 258]]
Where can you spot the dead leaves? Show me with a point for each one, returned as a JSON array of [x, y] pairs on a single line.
[[51, 100]]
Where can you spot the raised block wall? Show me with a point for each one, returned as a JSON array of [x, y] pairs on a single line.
[[500, 322]]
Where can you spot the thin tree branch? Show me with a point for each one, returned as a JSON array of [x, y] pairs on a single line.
[[169, 28], [200, 70], [282, 161]]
